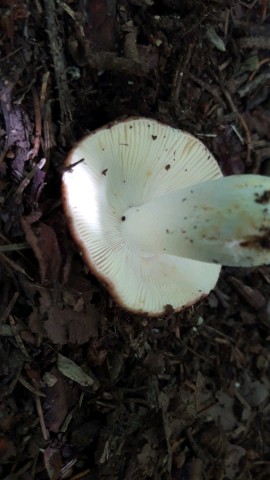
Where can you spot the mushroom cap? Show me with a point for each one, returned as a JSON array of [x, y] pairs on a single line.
[[126, 164]]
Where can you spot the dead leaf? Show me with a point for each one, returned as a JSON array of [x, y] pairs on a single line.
[[53, 462], [154, 362], [36, 323], [71, 370], [100, 27], [84, 435], [234, 455], [255, 392], [222, 411], [203, 395], [43, 241], [56, 402], [251, 295], [67, 326], [147, 460]]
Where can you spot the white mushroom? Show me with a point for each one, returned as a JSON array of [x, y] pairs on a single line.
[[155, 219]]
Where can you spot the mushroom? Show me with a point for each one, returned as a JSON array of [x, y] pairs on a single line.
[[155, 219]]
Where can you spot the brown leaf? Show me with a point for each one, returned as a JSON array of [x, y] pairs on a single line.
[[87, 327], [68, 326], [251, 295], [222, 412], [53, 462], [101, 24], [36, 324], [59, 397], [234, 455], [43, 241], [154, 362]]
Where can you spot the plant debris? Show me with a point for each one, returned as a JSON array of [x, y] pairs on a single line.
[[89, 391]]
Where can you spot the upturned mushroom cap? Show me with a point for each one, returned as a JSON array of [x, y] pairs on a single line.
[[126, 165]]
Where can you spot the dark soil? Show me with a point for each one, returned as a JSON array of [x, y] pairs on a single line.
[[89, 391]]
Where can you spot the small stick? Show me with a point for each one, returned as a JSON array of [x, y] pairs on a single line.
[[9, 308], [18, 337], [80, 475], [70, 167], [44, 430], [14, 247], [38, 125], [242, 122], [23, 469], [43, 90], [13, 265], [30, 175], [30, 387]]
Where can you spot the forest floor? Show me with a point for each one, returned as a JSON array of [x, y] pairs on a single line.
[[88, 391]]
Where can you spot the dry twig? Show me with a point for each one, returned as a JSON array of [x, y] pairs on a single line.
[[38, 128], [9, 308], [7, 261], [18, 337], [30, 387], [44, 430], [242, 123]]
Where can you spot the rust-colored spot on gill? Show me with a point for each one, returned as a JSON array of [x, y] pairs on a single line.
[[258, 242], [262, 198]]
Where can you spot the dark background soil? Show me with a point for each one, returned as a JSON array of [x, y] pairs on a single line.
[[88, 391]]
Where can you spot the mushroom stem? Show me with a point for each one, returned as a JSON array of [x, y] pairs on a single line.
[[224, 221]]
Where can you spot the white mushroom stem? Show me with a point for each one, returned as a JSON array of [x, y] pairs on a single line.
[[225, 221]]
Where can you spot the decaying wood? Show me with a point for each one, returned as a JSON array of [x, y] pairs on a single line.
[[59, 64]]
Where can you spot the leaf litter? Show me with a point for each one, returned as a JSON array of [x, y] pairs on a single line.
[[87, 390]]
